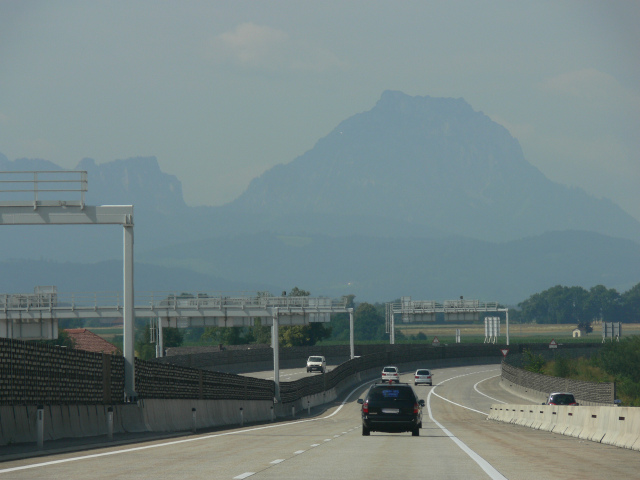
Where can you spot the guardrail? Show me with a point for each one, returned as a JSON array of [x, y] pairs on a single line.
[[29, 188]]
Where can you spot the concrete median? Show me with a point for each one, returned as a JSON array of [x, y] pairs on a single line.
[[618, 426]]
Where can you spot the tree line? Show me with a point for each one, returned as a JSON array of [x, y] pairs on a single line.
[[561, 304]]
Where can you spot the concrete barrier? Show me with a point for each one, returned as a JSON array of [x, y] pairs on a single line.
[[622, 428], [618, 426]]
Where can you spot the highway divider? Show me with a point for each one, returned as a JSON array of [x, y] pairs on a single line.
[[618, 426]]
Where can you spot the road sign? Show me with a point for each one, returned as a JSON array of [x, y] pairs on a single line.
[[436, 342], [505, 351], [553, 344]]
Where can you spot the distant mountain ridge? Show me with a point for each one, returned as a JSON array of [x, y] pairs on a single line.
[[419, 194], [433, 164]]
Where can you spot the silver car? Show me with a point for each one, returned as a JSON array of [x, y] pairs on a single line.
[[423, 376], [390, 374]]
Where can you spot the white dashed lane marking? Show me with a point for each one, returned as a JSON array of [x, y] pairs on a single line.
[[244, 475]]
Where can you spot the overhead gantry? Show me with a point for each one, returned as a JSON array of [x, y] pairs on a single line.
[[412, 311], [32, 204]]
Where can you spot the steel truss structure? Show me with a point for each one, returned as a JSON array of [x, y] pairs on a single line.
[[418, 311]]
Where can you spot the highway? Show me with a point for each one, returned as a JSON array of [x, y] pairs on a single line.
[[456, 442]]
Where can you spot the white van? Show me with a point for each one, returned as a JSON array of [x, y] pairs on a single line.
[[316, 363]]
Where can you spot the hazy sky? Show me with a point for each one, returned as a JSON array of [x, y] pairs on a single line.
[[220, 91]]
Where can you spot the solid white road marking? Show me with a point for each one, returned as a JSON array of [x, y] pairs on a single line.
[[482, 463], [456, 404], [475, 387]]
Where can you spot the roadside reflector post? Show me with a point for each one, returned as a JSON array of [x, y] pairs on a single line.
[[110, 423], [308, 407], [40, 425], [293, 411], [193, 419], [273, 416], [241, 417]]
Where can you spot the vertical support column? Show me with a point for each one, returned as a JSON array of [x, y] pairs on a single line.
[[351, 329], [392, 332], [507, 321], [129, 316], [276, 353], [160, 339]]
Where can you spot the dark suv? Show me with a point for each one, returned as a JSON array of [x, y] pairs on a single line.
[[391, 408]]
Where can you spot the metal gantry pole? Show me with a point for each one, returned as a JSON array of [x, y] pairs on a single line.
[[160, 338], [392, 330], [507, 322], [128, 317], [276, 354], [351, 329]]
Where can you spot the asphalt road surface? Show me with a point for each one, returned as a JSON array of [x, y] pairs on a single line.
[[456, 442]]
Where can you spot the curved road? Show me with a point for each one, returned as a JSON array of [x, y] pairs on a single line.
[[456, 442]]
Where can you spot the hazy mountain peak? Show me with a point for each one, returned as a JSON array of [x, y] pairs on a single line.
[[434, 164]]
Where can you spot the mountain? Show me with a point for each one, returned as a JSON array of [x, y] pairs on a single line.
[[419, 196], [427, 165]]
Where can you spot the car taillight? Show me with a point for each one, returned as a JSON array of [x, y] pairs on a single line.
[[417, 376], [365, 407], [416, 408]]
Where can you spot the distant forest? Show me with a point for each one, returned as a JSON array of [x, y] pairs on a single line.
[[579, 306]]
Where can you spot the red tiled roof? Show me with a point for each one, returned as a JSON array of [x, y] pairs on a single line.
[[84, 339]]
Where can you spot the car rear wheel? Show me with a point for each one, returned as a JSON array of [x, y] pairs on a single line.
[[365, 431], [415, 432]]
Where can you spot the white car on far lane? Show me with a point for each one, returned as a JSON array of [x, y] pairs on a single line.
[[423, 376]]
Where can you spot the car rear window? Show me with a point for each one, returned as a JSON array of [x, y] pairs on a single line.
[[423, 372], [389, 369], [315, 359], [391, 393], [563, 399]]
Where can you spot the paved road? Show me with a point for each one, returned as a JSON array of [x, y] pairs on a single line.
[[456, 442]]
